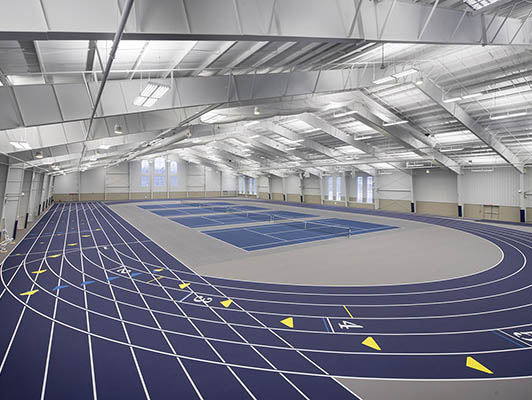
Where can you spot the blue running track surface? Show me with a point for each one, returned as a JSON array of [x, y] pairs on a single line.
[[91, 308]]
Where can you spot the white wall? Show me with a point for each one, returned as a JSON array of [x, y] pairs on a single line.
[[293, 184], [437, 186], [499, 187], [277, 184], [311, 185], [394, 186], [92, 180], [65, 184]]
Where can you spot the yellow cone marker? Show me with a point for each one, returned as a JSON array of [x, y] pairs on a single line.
[[72, 244], [472, 363], [85, 235], [55, 256], [29, 293], [156, 279], [289, 322], [183, 285], [39, 271], [159, 269], [370, 342], [226, 303]]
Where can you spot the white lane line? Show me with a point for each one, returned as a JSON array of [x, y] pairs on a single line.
[[87, 319], [52, 326], [212, 310], [26, 302], [160, 329], [131, 348], [179, 308], [249, 314]]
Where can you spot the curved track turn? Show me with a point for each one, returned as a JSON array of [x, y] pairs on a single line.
[[92, 308]]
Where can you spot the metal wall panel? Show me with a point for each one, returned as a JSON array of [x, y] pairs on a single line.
[[437, 186], [499, 187]]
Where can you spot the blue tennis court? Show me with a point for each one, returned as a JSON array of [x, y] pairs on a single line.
[[184, 205], [239, 218], [204, 210], [274, 235]]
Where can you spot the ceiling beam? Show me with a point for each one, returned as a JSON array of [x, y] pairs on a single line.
[[259, 20], [365, 114], [453, 109]]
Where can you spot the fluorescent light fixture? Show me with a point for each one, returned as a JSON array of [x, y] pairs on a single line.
[[472, 95], [406, 73], [150, 94], [20, 145], [345, 114], [451, 99], [105, 146], [509, 115], [251, 123], [384, 80], [254, 136], [482, 170], [401, 122]]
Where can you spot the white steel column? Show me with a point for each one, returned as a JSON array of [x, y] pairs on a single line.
[[321, 189], [33, 195], [283, 181], [412, 196], [345, 187], [459, 183], [12, 197], [44, 192], [522, 208]]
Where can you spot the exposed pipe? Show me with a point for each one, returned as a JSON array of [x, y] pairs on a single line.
[[112, 54]]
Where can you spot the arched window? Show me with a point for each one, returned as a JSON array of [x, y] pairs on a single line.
[[144, 173], [173, 174], [159, 172]]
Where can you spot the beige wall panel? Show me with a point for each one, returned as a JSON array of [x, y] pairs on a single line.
[[117, 196], [510, 214], [264, 196], [213, 193], [437, 208], [296, 198], [394, 205], [140, 196], [93, 196], [277, 196], [312, 199], [196, 194], [160, 195], [369, 206], [178, 195], [529, 214], [473, 211], [65, 197]]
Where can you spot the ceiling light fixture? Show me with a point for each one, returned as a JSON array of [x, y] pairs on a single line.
[[105, 146], [451, 99], [118, 129], [151, 94], [39, 155], [384, 80], [508, 115], [401, 122], [20, 145], [407, 72]]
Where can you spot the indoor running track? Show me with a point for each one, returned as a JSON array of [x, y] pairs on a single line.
[[91, 308]]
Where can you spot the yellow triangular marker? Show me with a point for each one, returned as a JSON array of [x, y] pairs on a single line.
[[370, 342], [183, 285], [226, 303], [39, 271], [55, 256], [72, 244], [472, 363], [29, 293], [85, 235], [159, 269], [289, 322]]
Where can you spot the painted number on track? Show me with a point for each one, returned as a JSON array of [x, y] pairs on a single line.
[[527, 336], [348, 325], [201, 299]]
